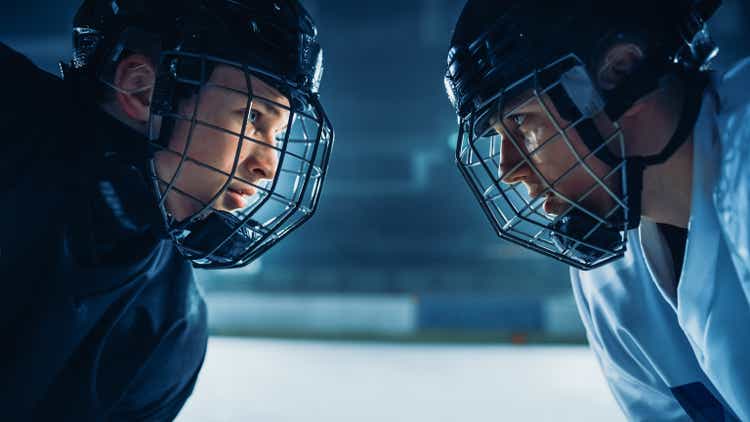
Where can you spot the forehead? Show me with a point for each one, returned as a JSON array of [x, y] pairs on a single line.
[[519, 101], [234, 78]]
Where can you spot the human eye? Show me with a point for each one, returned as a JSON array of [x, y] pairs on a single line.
[[253, 116], [518, 119]]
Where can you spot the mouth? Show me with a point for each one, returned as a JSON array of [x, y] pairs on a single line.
[[535, 191], [237, 197], [553, 205], [545, 199]]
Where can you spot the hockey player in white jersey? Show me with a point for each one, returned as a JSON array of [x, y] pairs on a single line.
[[594, 133]]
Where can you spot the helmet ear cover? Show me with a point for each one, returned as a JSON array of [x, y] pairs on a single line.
[[644, 79], [178, 78]]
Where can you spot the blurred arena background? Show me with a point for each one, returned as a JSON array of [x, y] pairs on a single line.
[[434, 318]]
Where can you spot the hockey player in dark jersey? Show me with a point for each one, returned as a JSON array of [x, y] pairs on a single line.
[[183, 134]]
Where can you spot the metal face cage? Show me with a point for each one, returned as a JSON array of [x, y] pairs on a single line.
[[548, 133], [249, 170]]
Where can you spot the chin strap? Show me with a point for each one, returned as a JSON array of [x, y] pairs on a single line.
[[635, 166], [643, 81], [583, 237], [220, 228]]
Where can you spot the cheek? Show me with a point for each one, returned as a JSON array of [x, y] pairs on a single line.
[[566, 152], [540, 134], [579, 181], [178, 139], [209, 141], [554, 158], [210, 146], [166, 165]]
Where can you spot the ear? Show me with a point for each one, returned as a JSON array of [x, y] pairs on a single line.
[[619, 62], [134, 81]]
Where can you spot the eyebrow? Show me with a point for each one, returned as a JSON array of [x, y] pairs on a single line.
[[519, 101], [268, 108], [268, 105], [518, 106], [272, 109]]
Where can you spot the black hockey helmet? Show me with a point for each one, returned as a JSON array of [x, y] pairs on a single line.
[[274, 41], [507, 54]]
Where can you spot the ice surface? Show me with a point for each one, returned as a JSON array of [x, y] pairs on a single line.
[[287, 380]]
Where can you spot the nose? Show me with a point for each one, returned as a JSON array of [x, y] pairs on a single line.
[[263, 158], [510, 157]]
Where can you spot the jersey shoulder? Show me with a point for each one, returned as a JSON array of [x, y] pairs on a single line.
[[33, 116], [26, 83], [731, 194], [733, 86], [166, 334]]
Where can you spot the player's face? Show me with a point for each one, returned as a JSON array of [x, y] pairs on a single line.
[[539, 143], [209, 147]]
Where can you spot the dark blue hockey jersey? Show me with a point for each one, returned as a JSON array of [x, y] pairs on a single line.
[[101, 317]]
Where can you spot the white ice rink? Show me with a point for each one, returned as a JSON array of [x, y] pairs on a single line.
[[278, 380]]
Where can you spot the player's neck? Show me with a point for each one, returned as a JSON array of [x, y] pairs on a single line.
[[667, 188]]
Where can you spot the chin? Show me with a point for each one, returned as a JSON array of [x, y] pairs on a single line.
[[554, 206]]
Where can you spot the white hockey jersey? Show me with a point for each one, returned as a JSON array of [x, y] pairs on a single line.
[[684, 354]]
